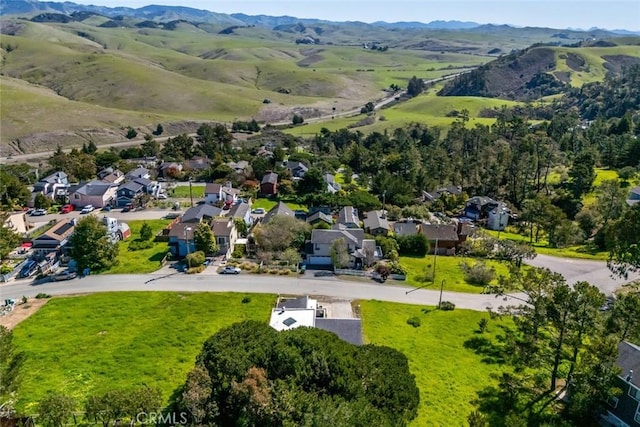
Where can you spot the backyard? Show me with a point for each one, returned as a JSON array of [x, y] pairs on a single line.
[[448, 372]]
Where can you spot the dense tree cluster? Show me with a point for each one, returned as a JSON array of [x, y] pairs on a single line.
[[249, 374]]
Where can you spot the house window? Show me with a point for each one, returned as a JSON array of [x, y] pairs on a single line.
[[634, 392], [76, 196], [613, 402], [637, 417]]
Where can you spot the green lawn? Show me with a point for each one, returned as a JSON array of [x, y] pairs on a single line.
[[145, 260], [183, 191], [448, 375], [267, 204], [447, 268], [94, 343], [585, 251]]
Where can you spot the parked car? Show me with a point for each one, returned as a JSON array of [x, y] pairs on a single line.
[[38, 212], [87, 209], [67, 208], [127, 207], [323, 273], [258, 211], [64, 275], [162, 196], [229, 269]]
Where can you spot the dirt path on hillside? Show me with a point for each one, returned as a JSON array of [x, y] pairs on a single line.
[[21, 312]]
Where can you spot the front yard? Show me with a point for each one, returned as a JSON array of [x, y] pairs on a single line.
[[144, 260], [267, 204]]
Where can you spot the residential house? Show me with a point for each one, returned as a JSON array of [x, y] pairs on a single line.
[[181, 241], [111, 176], [55, 238], [17, 222], [52, 186], [498, 217], [360, 249], [269, 184], [464, 230], [149, 187], [96, 193], [128, 192], [449, 190], [214, 192], [226, 235], [199, 213], [442, 238], [139, 172], [478, 207], [197, 164], [332, 185], [241, 211], [624, 410], [297, 169], [280, 209], [634, 196], [406, 227], [318, 217], [304, 311], [376, 223], [348, 216], [265, 152], [324, 209], [240, 167]]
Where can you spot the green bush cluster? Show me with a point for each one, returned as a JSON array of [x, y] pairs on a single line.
[[447, 306], [195, 259], [414, 321], [138, 245]]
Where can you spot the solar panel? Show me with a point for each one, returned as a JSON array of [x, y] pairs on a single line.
[[290, 321], [63, 228]]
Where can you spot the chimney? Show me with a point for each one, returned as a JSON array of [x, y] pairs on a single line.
[[629, 376]]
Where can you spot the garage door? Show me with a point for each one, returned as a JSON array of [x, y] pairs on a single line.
[[319, 260]]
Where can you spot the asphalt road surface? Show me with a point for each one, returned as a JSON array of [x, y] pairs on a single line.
[[576, 270], [330, 287]]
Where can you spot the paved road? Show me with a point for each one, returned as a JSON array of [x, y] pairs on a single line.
[[576, 270], [330, 287]]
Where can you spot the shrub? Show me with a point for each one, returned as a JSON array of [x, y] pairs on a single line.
[[24, 299], [447, 306], [416, 245], [131, 133], [238, 251], [284, 272], [482, 325], [396, 268], [195, 259], [41, 295], [246, 300], [138, 245], [414, 321], [478, 273], [195, 270], [274, 271], [6, 269]]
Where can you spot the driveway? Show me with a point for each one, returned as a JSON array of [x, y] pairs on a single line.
[[576, 270]]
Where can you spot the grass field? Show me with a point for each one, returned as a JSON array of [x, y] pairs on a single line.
[[267, 204], [122, 340], [542, 247], [448, 374], [145, 260], [447, 268], [182, 191]]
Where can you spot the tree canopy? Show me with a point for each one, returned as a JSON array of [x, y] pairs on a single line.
[[249, 374], [91, 246]]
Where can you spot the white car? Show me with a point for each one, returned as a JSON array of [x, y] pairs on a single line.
[[87, 209], [229, 269], [161, 196]]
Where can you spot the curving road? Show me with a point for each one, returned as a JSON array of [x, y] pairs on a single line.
[[331, 287]]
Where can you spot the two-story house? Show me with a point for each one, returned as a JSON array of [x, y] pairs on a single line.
[[624, 410], [111, 175], [226, 234], [96, 193], [269, 184], [199, 213], [128, 192], [214, 192], [55, 238], [443, 238], [181, 242], [332, 185], [376, 223], [297, 169], [362, 251], [634, 196], [280, 209], [241, 211], [52, 186], [240, 167], [139, 172]]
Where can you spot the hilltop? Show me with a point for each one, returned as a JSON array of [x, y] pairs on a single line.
[[545, 70]]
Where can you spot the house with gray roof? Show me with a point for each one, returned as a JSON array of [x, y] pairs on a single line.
[[280, 209], [241, 211], [96, 193], [406, 227], [297, 169], [634, 196], [318, 217], [360, 249], [376, 223], [332, 185], [348, 216], [127, 192], [240, 167], [269, 184], [199, 213], [139, 172], [51, 186], [624, 409]]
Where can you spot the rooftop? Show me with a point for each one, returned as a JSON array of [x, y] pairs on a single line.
[[440, 232], [629, 360], [196, 213], [375, 219], [280, 209]]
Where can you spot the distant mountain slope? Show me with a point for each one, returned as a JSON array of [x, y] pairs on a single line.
[[541, 71]]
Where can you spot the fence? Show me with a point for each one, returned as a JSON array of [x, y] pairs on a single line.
[[350, 272], [12, 273]]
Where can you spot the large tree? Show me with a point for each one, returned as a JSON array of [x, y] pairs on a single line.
[[10, 364], [9, 239], [55, 410], [204, 239], [280, 233], [91, 246], [249, 374], [624, 242]]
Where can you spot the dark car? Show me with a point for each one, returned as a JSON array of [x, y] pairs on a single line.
[[323, 273], [127, 208], [64, 275]]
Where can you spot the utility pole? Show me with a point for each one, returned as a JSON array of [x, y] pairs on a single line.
[[435, 257], [190, 192], [186, 238], [441, 287]]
